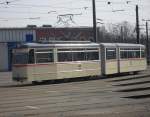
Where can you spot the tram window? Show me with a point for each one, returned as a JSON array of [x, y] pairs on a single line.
[[110, 53], [138, 54], [44, 50], [64, 56], [44, 57], [20, 58], [135, 54], [79, 56], [124, 54], [31, 56], [130, 54], [142, 54], [92, 56]]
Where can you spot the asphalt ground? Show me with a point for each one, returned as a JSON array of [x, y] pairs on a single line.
[[111, 96]]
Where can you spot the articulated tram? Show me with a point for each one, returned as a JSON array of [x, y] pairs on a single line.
[[36, 62]]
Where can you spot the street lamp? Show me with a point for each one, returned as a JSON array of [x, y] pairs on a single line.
[[118, 10], [100, 32], [99, 21]]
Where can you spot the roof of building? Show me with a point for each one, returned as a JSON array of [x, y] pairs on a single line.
[[36, 28]]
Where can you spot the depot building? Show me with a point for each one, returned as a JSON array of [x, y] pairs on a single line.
[[11, 37]]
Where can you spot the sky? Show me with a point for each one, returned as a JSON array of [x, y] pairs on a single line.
[[20, 13]]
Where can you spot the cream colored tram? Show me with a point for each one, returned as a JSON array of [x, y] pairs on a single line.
[[122, 57], [132, 57], [39, 62]]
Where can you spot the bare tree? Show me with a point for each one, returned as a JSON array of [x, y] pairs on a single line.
[[122, 32]]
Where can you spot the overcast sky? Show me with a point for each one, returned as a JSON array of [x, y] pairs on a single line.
[[19, 13]]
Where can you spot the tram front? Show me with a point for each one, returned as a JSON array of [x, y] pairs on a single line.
[[22, 59]]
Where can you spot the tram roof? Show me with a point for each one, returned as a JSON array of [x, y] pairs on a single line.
[[129, 45], [108, 44], [122, 45], [52, 45]]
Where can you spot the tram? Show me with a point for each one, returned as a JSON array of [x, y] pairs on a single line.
[[122, 57], [39, 62], [36, 62]]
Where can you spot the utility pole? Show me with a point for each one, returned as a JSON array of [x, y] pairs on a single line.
[[94, 21], [137, 25], [147, 42]]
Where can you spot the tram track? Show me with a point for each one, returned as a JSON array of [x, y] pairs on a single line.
[[133, 83], [78, 106], [41, 92], [68, 102], [71, 97], [131, 78]]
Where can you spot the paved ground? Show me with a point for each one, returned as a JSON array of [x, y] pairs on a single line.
[[122, 96]]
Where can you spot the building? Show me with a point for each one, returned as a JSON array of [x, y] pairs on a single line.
[[11, 37], [64, 34]]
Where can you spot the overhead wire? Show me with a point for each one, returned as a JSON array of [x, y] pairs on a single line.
[[7, 2], [107, 2]]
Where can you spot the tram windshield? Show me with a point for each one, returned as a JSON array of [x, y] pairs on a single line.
[[26, 57], [29, 57], [20, 58]]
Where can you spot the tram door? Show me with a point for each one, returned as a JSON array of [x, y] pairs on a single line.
[[109, 59]]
